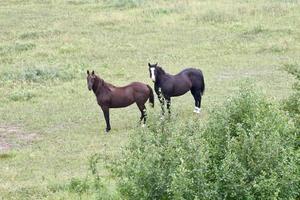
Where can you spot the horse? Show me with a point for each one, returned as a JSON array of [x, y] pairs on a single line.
[[167, 85], [109, 96]]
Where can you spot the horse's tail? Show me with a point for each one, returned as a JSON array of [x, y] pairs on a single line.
[[151, 96], [203, 84]]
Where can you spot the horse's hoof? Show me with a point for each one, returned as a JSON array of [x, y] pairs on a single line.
[[197, 110], [107, 130], [162, 118], [143, 125]]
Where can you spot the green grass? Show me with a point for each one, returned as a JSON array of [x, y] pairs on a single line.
[[46, 47]]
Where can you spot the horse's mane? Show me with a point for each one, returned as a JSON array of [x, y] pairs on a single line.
[[109, 84], [160, 70]]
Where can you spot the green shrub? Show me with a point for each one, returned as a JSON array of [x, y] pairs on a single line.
[[78, 186], [16, 48], [153, 159], [245, 151], [252, 145], [23, 47], [212, 16], [39, 74], [21, 95], [292, 103], [124, 3]]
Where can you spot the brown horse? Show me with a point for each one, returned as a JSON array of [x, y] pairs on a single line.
[[109, 96]]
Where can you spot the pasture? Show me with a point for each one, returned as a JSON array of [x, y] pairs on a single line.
[[50, 124]]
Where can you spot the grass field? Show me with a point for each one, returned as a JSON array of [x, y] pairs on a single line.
[[50, 124]]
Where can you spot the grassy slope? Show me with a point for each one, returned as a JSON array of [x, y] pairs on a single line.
[[228, 40]]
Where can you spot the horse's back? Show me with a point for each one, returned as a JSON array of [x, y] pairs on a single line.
[[195, 76], [127, 95], [191, 72], [141, 92], [132, 85], [137, 89], [138, 86]]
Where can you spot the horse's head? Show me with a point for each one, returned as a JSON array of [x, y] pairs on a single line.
[[90, 79], [153, 71]]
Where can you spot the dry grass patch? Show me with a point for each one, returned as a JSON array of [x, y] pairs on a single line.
[[13, 137]]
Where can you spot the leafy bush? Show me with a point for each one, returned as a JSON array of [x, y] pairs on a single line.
[[245, 151], [149, 164], [252, 150], [292, 104]]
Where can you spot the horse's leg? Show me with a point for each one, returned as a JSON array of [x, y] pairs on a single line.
[[106, 116], [142, 108], [199, 102], [197, 97], [161, 99], [162, 104], [145, 116], [168, 100]]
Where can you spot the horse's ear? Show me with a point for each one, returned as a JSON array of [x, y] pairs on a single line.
[[93, 73], [156, 64], [149, 64], [88, 72]]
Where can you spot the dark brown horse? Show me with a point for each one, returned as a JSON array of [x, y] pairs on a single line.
[[109, 96]]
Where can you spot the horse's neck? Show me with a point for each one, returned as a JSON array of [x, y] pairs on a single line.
[[162, 77], [101, 87]]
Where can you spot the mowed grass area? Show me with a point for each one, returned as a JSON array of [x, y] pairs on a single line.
[[50, 124]]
